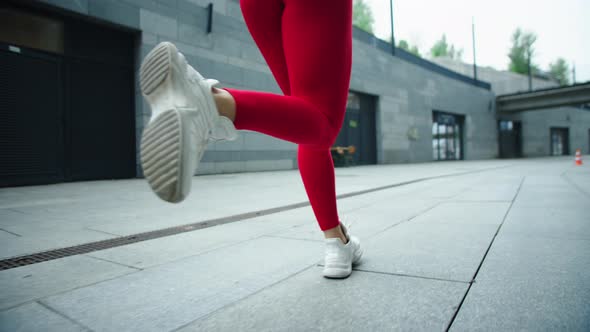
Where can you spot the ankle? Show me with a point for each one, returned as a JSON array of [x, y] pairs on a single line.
[[225, 102], [336, 233]]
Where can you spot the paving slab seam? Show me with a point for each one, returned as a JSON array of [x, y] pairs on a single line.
[[410, 276], [291, 238], [399, 184], [14, 210], [64, 316], [103, 232], [246, 297], [137, 270], [574, 184], [406, 220], [478, 201], [39, 299], [113, 262], [38, 257], [9, 232], [207, 251], [484, 257]]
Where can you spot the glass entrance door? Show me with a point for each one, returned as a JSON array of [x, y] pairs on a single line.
[[560, 141], [446, 137]]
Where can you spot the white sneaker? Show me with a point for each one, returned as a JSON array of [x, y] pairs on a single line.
[[184, 118], [340, 257]]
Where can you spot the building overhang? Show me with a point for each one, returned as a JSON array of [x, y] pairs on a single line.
[[573, 95]]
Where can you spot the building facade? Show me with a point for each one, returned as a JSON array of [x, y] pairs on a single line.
[[84, 58], [534, 133]]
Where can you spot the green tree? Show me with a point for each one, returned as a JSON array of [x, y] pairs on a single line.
[[362, 16], [522, 51], [443, 48], [560, 71], [404, 45]]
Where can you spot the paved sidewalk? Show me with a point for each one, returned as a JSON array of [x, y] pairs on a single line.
[[485, 245]]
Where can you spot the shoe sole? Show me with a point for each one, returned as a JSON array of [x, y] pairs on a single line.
[[161, 159], [162, 140], [155, 68]]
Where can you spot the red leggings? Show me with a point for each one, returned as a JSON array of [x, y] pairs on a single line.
[[308, 47]]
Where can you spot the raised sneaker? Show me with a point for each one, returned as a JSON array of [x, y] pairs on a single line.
[[341, 257], [184, 119]]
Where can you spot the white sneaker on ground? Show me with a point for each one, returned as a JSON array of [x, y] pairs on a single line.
[[340, 257], [184, 118]]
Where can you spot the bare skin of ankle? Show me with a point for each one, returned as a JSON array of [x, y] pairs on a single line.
[[226, 105], [335, 233]]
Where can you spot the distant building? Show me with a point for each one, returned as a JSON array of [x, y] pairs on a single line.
[[534, 133]]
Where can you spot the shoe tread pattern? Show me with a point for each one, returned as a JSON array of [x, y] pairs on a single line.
[[160, 155], [155, 68]]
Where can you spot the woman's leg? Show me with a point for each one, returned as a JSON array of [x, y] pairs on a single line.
[[315, 45]]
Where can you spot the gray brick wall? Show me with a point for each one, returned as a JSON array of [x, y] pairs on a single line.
[[407, 94], [536, 129]]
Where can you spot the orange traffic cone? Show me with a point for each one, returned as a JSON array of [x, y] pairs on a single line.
[[578, 157]]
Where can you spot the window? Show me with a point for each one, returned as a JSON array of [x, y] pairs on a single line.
[[29, 30]]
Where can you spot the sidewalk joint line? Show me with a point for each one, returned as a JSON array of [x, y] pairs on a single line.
[[575, 185], [290, 238], [484, 256], [103, 232], [2, 229], [411, 276], [245, 297], [113, 262], [61, 314]]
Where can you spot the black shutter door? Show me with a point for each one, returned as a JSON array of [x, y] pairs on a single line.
[[368, 148], [30, 119], [102, 141]]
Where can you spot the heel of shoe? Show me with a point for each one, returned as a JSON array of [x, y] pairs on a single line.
[[155, 68], [161, 159]]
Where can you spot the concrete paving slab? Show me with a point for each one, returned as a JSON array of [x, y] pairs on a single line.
[[5, 235], [450, 251], [548, 222], [363, 302], [534, 284], [484, 213], [580, 177], [171, 248], [365, 222], [550, 196], [171, 295], [548, 179], [8, 217], [34, 317], [31, 282], [441, 189], [489, 191]]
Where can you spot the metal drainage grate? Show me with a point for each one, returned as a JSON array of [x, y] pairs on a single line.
[[44, 256]]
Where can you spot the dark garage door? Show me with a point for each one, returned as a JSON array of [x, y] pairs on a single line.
[[67, 113], [359, 129], [30, 113], [102, 132]]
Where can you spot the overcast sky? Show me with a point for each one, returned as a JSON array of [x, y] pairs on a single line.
[[562, 27]]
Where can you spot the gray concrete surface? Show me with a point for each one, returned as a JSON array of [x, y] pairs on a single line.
[[426, 266]]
